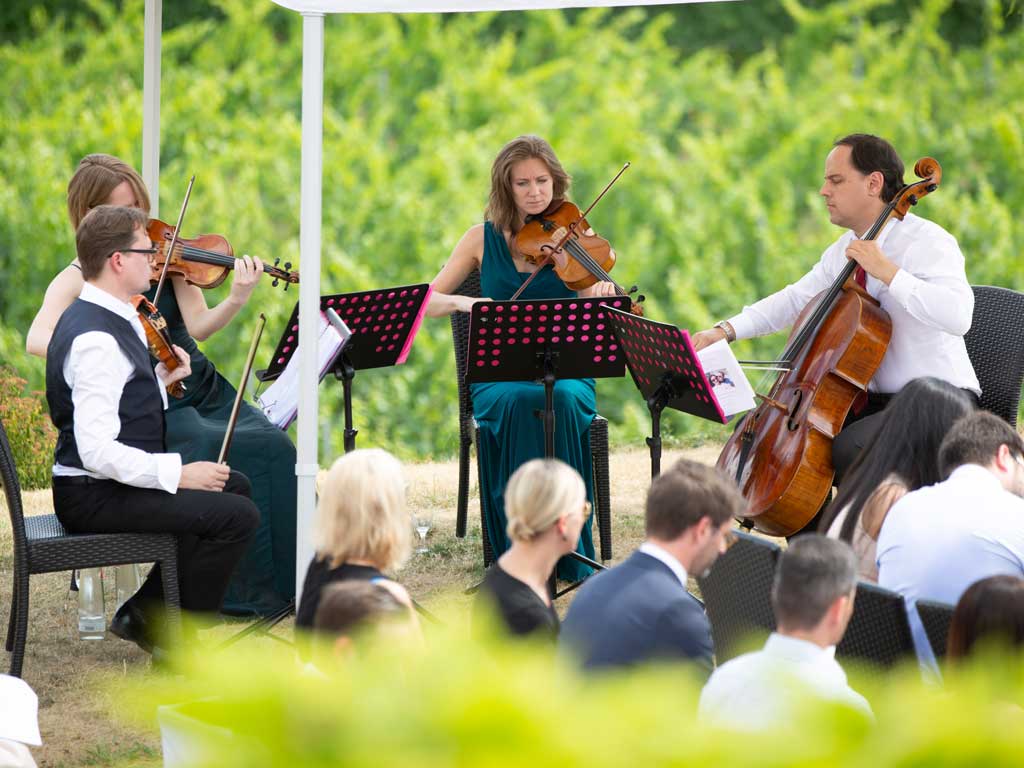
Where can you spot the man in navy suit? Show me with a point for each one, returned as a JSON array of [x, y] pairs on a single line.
[[640, 610]]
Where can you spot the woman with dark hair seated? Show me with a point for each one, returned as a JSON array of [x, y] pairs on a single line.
[[990, 611], [902, 456]]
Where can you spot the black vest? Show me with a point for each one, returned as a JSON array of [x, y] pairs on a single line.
[[141, 408]]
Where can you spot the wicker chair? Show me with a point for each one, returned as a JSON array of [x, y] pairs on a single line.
[[996, 349], [936, 618], [468, 433], [737, 595], [41, 545], [878, 633]]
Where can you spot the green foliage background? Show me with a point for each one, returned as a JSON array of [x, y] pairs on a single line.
[[727, 142]]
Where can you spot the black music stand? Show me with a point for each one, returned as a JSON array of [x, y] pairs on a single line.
[[544, 340], [383, 323], [665, 369]]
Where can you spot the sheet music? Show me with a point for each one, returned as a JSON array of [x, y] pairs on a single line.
[[280, 401], [727, 379]]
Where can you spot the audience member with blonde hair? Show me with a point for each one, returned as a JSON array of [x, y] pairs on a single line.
[[363, 527], [546, 505]]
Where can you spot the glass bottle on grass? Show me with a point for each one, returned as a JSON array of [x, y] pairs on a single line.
[[127, 580], [92, 619]]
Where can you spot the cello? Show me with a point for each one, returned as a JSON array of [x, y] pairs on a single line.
[[780, 453]]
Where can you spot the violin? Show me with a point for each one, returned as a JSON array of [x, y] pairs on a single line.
[[158, 339], [203, 260], [562, 230]]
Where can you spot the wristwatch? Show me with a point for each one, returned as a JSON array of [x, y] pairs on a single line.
[[730, 332]]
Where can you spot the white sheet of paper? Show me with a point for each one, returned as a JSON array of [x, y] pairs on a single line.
[[280, 401], [727, 379]]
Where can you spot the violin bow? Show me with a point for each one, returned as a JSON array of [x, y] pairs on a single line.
[[174, 241], [230, 431], [568, 234]]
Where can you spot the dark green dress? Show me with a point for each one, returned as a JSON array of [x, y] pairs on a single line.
[[510, 432], [264, 580]]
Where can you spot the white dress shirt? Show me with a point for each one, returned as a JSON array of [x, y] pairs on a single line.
[[653, 550], [929, 300], [937, 541], [761, 690], [97, 370]]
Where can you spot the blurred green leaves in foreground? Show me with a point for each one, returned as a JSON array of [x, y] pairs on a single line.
[[461, 703], [719, 208]]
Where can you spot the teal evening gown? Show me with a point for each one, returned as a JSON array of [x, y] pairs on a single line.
[[264, 580], [510, 431]]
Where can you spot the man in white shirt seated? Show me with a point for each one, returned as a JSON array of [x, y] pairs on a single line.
[[812, 598], [111, 471], [938, 540], [913, 268]]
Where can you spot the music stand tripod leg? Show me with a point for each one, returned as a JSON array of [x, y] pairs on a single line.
[[345, 371], [656, 404], [262, 626]]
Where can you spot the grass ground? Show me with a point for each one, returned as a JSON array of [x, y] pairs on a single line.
[[77, 716]]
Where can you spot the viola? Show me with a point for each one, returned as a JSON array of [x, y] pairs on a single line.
[[781, 452], [203, 260], [158, 339], [562, 230]]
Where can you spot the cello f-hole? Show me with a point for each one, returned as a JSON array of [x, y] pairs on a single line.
[[792, 423]]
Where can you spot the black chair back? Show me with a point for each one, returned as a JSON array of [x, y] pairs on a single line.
[[12, 493], [995, 344], [936, 618], [460, 341], [737, 595], [879, 632]]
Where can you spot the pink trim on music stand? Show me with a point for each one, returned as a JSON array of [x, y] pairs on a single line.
[[417, 321]]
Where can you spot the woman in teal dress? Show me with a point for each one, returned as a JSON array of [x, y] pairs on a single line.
[[525, 178], [264, 580]]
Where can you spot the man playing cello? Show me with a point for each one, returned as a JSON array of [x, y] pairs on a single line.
[[914, 269], [111, 472]]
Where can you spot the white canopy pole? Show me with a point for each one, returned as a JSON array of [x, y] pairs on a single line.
[[151, 103], [309, 287]]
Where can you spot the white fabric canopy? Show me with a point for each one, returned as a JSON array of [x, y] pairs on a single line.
[[455, 6], [313, 12]]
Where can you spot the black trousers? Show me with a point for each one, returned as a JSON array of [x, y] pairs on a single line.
[[213, 529]]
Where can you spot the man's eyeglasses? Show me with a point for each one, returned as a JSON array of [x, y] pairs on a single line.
[[587, 509], [151, 251]]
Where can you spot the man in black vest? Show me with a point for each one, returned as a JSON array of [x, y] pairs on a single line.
[[111, 472]]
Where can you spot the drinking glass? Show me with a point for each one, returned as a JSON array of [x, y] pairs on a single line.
[[422, 522]]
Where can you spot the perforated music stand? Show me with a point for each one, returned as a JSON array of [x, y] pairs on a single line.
[[544, 340], [665, 369], [383, 322]]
